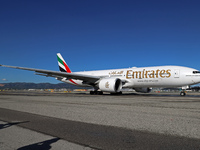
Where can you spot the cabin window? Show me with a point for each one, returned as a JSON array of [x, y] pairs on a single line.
[[195, 72]]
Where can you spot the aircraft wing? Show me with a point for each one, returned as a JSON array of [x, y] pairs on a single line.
[[48, 73]]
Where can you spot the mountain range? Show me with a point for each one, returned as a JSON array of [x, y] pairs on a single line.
[[24, 85]]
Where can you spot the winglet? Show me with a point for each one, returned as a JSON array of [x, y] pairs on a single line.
[[62, 64]]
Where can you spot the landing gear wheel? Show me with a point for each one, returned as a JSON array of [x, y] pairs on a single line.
[[91, 92], [99, 93], [182, 93], [96, 93], [118, 93]]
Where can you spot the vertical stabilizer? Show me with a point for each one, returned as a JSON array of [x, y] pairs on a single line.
[[62, 64]]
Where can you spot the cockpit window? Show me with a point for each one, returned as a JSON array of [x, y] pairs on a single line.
[[195, 72]]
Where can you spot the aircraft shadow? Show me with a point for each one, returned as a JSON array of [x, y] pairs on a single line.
[[7, 125], [44, 145]]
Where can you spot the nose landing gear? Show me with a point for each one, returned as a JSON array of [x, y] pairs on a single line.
[[183, 93]]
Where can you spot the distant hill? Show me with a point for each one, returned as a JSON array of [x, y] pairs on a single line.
[[24, 85]]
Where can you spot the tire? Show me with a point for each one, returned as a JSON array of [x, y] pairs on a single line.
[[91, 92], [182, 93]]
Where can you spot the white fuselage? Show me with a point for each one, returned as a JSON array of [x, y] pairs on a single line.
[[160, 76]]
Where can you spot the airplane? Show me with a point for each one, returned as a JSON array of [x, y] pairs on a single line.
[[141, 79]]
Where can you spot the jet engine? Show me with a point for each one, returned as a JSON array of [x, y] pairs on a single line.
[[112, 85], [143, 90]]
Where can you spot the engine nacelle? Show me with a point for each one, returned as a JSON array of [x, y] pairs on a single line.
[[112, 85], [143, 90]]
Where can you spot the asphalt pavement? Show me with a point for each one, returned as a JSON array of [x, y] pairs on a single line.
[[82, 121]]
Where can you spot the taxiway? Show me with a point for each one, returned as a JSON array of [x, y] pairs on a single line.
[[83, 121]]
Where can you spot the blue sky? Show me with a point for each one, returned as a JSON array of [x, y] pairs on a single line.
[[97, 34]]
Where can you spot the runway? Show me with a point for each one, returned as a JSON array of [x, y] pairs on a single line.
[[82, 121]]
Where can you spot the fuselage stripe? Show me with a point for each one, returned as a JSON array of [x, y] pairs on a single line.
[[73, 81]]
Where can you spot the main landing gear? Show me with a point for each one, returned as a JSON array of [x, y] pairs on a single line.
[[101, 93], [118, 93], [96, 93]]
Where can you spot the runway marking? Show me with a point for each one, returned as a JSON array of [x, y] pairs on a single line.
[[97, 136]]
